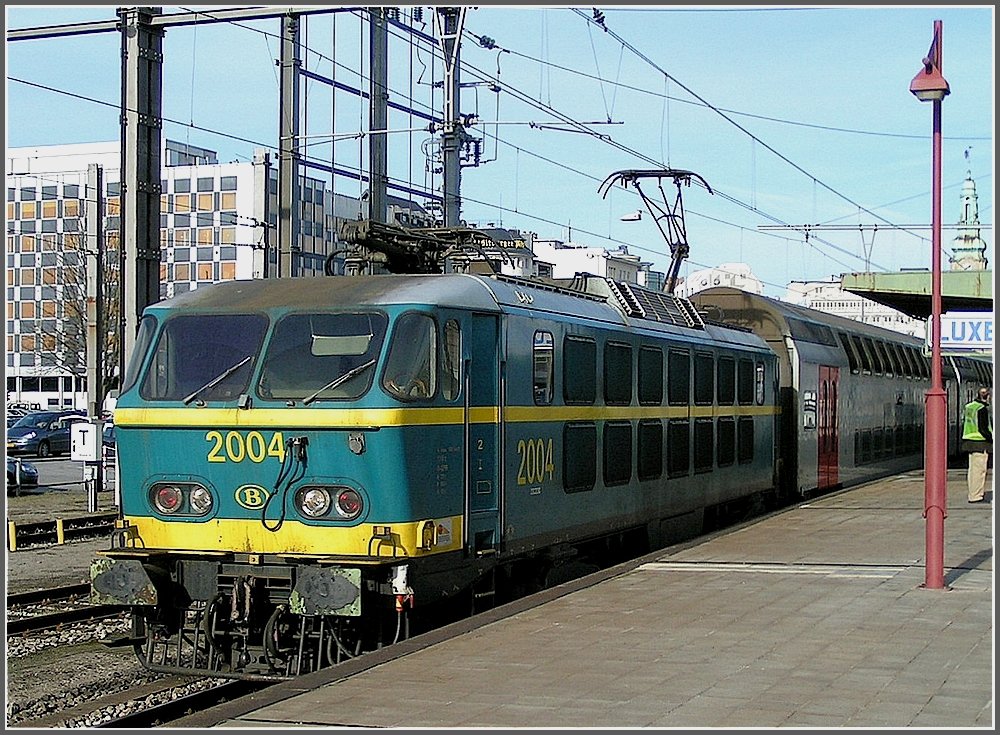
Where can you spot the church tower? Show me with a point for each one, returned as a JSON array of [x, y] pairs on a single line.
[[968, 247]]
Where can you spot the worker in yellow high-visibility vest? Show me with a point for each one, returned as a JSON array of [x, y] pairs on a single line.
[[977, 440]]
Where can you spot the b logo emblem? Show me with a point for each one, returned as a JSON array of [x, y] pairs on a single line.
[[251, 496]]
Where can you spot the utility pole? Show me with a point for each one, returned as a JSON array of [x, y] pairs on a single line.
[[141, 125], [288, 155], [378, 114], [96, 337], [262, 211], [450, 22]]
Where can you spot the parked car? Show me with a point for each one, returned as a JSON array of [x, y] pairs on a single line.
[[20, 474], [108, 441], [43, 433]]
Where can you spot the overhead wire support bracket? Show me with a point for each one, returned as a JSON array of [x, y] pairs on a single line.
[[669, 217]]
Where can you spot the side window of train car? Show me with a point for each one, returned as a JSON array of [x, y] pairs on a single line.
[[617, 374], [876, 360], [884, 355], [579, 370], [759, 384], [866, 360], [650, 376], [650, 449], [451, 362], [727, 381], [678, 377], [745, 382], [580, 456], [704, 378], [852, 356], [411, 369], [617, 452], [543, 367]]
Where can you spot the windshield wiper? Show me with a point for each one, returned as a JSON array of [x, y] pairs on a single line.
[[338, 380], [222, 376]]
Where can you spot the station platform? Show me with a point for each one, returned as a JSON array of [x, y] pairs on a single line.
[[813, 617]]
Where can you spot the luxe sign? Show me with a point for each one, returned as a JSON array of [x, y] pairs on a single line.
[[966, 331]]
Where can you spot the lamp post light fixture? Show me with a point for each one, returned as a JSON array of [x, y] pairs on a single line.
[[929, 85]]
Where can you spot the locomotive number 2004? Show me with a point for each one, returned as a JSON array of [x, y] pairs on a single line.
[[233, 446], [536, 461]]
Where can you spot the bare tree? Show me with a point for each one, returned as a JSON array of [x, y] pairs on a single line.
[[61, 327]]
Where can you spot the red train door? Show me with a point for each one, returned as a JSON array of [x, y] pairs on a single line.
[[829, 439]]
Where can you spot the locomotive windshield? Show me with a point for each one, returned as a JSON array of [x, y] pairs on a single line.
[[322, 356], [204, 357]]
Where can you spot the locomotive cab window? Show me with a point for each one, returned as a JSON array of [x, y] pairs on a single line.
[[411, 368], [321, 356], [543, 367], [204, 357]]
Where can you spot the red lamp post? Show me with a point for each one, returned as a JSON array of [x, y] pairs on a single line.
[[929, 85]]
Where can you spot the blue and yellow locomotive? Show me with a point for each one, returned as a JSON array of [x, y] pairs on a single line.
[[305, 465]]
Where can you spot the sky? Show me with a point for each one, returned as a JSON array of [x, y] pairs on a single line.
[[793, 115]]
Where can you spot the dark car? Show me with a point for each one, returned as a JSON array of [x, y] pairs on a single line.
[[20, 474], [44, 433], [108, 440]]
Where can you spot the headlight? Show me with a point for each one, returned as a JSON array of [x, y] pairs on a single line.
[[181, 498], [201, 500], [314, 501], [349, 504], [29, 435], [167, 498], [330, 502]]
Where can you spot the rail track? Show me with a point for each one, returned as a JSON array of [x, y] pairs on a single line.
[[71, 594]]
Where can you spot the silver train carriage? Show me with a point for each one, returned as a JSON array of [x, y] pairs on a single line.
[[852, 394], [306, 465]]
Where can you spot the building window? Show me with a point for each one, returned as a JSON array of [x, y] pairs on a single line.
[[227, 183], [206, 183], [182, 186]]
